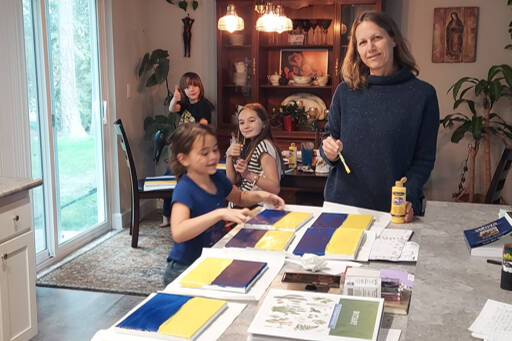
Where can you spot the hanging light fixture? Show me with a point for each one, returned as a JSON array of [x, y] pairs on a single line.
[[283, 22], [231, 22], [267, 22], [259, 6]]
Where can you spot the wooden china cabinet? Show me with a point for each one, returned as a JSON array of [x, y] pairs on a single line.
[[246, 58]]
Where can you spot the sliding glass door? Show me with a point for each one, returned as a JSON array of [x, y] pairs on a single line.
[[66, 118]]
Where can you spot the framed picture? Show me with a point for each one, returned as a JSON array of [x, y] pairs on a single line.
[[454, 38], [304, 62]]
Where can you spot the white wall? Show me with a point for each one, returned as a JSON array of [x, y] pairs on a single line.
[[14, 132], [415, 18], [140, 27]]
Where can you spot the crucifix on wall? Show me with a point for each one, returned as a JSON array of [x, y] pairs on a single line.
[[187, 34], [455, 32]]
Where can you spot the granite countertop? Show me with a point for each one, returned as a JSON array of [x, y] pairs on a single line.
[[10, 185], [451, 286]]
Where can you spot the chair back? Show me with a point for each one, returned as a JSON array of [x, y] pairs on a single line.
[[500, 175], [123, 141]]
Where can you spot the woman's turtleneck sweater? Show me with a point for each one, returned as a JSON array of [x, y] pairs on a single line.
[[388, 130]]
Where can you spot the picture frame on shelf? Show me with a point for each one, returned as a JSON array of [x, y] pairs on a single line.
[[303, 62]]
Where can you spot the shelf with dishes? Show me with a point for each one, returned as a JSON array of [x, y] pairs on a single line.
[[290, 46]]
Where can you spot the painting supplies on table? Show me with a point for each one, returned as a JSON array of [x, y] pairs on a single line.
[[398, 202], [279, 220]]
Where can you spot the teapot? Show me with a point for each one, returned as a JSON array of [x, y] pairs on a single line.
[[274, 79]]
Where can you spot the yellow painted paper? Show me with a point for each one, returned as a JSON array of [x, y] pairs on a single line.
[[292, 220], [344, 242], [205, 272], [357, 221], [191, 317], [274, 240]]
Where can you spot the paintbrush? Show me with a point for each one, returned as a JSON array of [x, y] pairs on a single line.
[[343, 161]]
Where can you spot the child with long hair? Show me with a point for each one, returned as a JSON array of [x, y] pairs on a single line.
[[199, 199], [255, 164], [189, 101]]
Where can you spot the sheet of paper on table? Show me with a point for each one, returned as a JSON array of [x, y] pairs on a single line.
[[494, 322], [393, 245]]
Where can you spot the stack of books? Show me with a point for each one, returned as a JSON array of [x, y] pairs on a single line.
[[302, 315], [156, 183], [336, 235], [172, 317]]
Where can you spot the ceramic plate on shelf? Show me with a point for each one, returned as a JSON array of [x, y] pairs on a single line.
[[308, 100]]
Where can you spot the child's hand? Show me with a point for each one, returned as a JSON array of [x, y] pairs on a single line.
[[241, 167], [234, 150], [273, 199], [236, 215], [177, 93]]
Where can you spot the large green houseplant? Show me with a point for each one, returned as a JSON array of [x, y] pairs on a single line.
[[153, 71], [480, 96]]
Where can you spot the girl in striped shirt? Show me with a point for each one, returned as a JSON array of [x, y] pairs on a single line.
[[256, 163]]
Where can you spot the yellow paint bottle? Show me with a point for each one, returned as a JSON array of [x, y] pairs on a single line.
[[292, 161], [398, 201]]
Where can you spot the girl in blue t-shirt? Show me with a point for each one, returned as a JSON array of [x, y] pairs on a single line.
[[199, 199]]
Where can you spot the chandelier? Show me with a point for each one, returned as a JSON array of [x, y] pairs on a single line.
[[273, 19], [231, 22]]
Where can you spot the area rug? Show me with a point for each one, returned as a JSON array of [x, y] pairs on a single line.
[[114, 266]]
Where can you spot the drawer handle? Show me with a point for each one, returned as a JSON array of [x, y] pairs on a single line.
[[16, 218]]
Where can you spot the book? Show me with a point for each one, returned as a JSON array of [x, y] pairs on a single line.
[[154, 183], [396, 290], [362, 282], [302, 315], [172, 317], [224, 274], [278, 220], [487, 240]]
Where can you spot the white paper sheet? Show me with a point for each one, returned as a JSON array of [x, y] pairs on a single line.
[[384, 335], [213, 332], [391, 244], [493, 322], [274, 262]]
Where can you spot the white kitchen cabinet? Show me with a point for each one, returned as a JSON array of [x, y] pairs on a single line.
[[18, 309]]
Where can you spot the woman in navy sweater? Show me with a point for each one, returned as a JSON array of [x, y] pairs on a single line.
[[383, 119]]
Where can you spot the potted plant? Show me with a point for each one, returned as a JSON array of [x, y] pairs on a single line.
[[153, 70], [480, 96], [292, 114]]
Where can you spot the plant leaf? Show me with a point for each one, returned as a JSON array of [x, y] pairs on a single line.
[[195, 4], [477, 127], [170, 1], [458, 134], [144, 65], [183, 5], [507, 73]]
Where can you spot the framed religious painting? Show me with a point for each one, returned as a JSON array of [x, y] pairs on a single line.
[[304, 62], [455, 32]]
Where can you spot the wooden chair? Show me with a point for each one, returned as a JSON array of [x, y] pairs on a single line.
[[498, 180], [137, 185]]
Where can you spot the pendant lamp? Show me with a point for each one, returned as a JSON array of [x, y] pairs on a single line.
[[283, 23], [231, 22]]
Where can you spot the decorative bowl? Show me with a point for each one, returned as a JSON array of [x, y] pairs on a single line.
[[302, 80]]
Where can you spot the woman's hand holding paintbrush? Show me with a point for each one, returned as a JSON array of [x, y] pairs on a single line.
[[332, 149]]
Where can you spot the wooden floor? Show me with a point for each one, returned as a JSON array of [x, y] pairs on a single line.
[[65, 314]]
